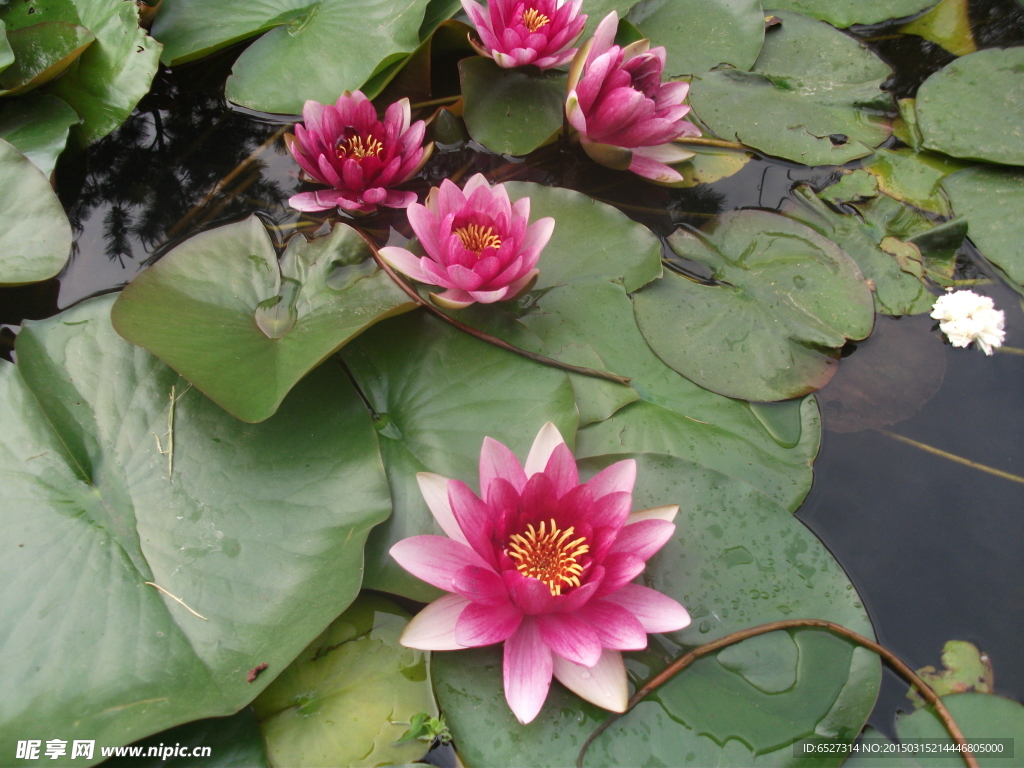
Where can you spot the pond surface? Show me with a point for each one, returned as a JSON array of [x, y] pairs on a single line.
[[934, 546]]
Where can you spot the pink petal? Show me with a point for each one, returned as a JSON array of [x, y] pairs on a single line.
[[611, 510], [531, 595], [477, 181], [514, 289], [527, 671], [620, 568], [399, 199], [425, 224], [435, 559], [474, 518], [652, 169], [619, 477], [489, 297], [604, 36], [463, 278], [375, 195], [561, 470], [539, 233], [643, 538], [481, 585], [433, 628], [487, 624], [615, 626], [570, 637], [435, 492], [543, 445], [403, 261], [655, 611], [452, 299], [604, 684], [496, 460], [312, 201]]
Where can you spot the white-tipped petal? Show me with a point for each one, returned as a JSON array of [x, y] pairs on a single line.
[[433, 628], [665, 153], [604, 684], [435, 492], [667, 512], [544, 444]]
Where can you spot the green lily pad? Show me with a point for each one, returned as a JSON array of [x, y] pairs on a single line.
[[980, 716], [845, 13], [964, 668], [974, 107], [985, 196], [349, 697], [37, 125], [854, 186], [35, 235], [708, 166], [437, 393], [107, 82], [948, 24], [511, 111], [785, 300], [914, 178], [234, 742], [595, 256], [812, 97], [313, 50], [737, 560], [109, 490], [896, 292], [698, 35], [244, 329], [42, 52]]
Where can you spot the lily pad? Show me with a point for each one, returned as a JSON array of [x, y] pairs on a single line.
[[595, 256], [350, 696], [974, 107], [234, 742], [707, 167], [42, 52], [437, 393], [813, 96], [737, 560], [979, 716], [244, 329], [35, 235], [37, 125], [204, 556], [854, 186], [846, 13], [785, 299], [896, 292], [948, 24], [986, 196], [511, 111], [107, 82], [699, 35], [964, 668], [6, 54], [914, 178]]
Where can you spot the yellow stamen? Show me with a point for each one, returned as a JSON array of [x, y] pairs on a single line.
[[534, 19], [477, 238], [548, 555], [359, 147]]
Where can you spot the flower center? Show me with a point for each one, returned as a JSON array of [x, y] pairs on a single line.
[[548, 555], [477, 238], [534, 19], [358, 147]]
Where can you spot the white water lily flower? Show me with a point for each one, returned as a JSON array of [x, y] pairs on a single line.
[[964, 316]]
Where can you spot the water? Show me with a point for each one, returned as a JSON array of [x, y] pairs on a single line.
[[932, 545]]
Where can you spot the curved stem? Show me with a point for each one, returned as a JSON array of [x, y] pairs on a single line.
[[493, 340], [687, 659]]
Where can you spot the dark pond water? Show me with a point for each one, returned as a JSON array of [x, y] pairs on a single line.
[[934, 546]]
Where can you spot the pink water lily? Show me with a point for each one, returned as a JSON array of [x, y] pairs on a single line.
[[519, 32], [359, 157], [544, 564], [626, 117], [479, 245]]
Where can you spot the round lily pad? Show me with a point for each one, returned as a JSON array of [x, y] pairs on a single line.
[[974, 107], [846, 13], [784, 300]]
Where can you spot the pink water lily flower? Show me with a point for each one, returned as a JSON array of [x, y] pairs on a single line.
[[626, 117], [478, 244], [519, 32], [545, 564], [359, 157]]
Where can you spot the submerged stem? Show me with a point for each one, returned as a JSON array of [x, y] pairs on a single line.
[[894, 661], [493, 340], [953, 457]]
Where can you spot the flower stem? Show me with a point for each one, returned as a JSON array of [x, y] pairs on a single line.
[[435, 102], [686, 660], [703, 141], [493, 340], [953, 457]]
